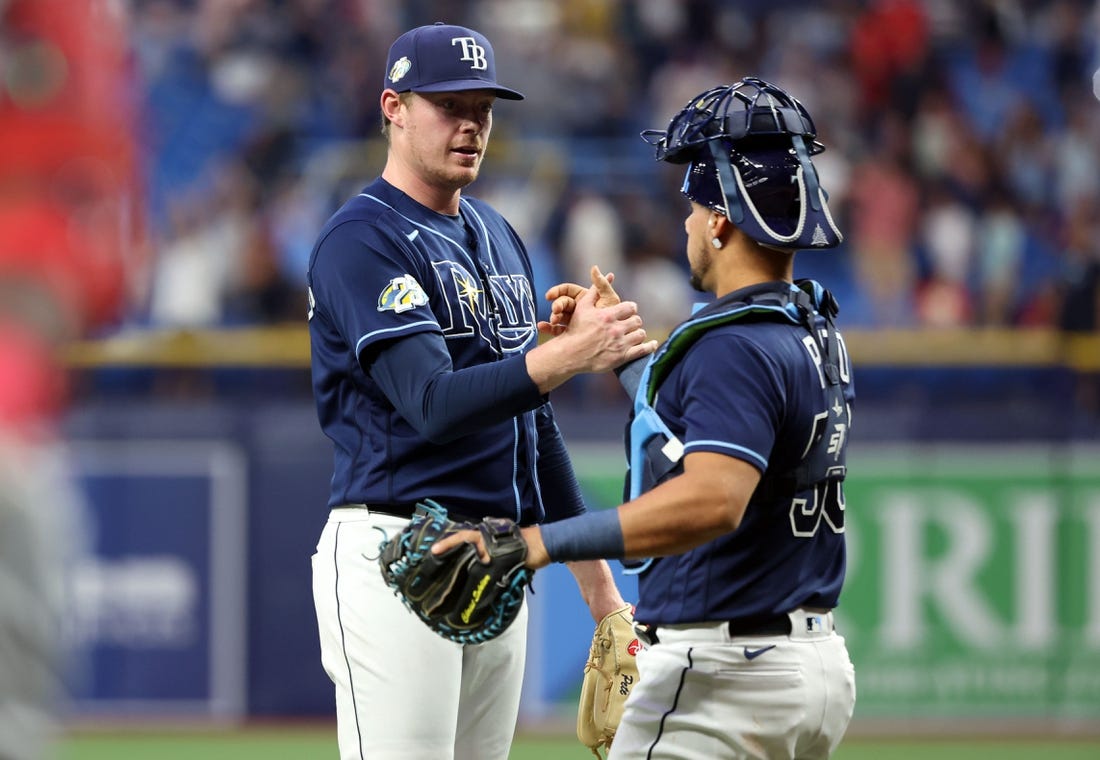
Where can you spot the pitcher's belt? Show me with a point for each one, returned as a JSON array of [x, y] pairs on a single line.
[[393, 510], [403, 510]]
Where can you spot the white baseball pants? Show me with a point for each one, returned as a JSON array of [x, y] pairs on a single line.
[[705, 695], [402, 691]]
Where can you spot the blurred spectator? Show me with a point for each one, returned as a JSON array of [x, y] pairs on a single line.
[[914, 95], [1080, 275], [947, 233], [883, 201], [889, 41], [188, 284], [656, 277], [294, 214], [1000, 248], [1000, 69], [1078, 290], [1026, 155], [592, 233], [1076, 156]]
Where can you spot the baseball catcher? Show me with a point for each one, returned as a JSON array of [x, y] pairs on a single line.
[[609, 677], [460, 595]]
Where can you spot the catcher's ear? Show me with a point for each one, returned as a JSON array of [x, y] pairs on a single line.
[[719, 226]]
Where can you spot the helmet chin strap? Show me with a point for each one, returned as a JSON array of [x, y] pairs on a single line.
[[809, 174], [735, 211]]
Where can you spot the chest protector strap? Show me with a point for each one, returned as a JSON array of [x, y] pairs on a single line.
[[655, 453]]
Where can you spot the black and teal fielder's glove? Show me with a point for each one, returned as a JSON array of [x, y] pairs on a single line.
[[456, 594]]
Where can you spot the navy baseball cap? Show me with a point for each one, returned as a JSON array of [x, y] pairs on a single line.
[[443, 58]]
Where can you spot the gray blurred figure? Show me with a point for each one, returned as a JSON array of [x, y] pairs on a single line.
[[35, 526]]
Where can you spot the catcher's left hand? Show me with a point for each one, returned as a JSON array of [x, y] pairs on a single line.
[[563, 299], [456, 593]]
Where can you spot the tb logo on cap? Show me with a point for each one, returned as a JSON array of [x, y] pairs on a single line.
[[471, 51]]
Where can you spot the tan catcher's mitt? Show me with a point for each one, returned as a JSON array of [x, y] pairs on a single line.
[[609, 676]]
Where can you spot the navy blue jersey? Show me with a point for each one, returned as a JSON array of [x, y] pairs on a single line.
[[385, 268], [755, 390]]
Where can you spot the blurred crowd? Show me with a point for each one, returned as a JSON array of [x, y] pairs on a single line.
[[963, 162], [963, 144]]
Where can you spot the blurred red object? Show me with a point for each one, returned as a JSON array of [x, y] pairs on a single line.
[[66, 96], [889, 39], [69, 190]]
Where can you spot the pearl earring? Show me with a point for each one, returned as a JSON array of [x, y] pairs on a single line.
[[716, 242]]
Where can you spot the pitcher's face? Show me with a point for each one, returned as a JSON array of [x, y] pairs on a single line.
[[445, 135]]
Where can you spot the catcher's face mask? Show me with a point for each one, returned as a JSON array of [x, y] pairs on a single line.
[[748, 147]]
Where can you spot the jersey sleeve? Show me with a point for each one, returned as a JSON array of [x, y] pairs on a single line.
[[369, 288], [732, 399], [561, 491], [417, 377]]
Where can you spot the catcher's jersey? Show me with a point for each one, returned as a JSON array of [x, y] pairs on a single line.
[[386, 267], [755, 390]]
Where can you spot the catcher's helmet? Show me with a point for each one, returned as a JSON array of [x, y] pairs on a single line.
[[748, 146]]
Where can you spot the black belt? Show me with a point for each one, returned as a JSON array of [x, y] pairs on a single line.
[[400, 510], [777, 625], [393, 510]]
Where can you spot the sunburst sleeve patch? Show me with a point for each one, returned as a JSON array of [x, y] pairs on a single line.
[[402, 293]]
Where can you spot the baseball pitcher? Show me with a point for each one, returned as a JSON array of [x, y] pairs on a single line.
[[430, 382]]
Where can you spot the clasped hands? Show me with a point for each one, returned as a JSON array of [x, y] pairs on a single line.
[[563, 300], [566, 299]]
